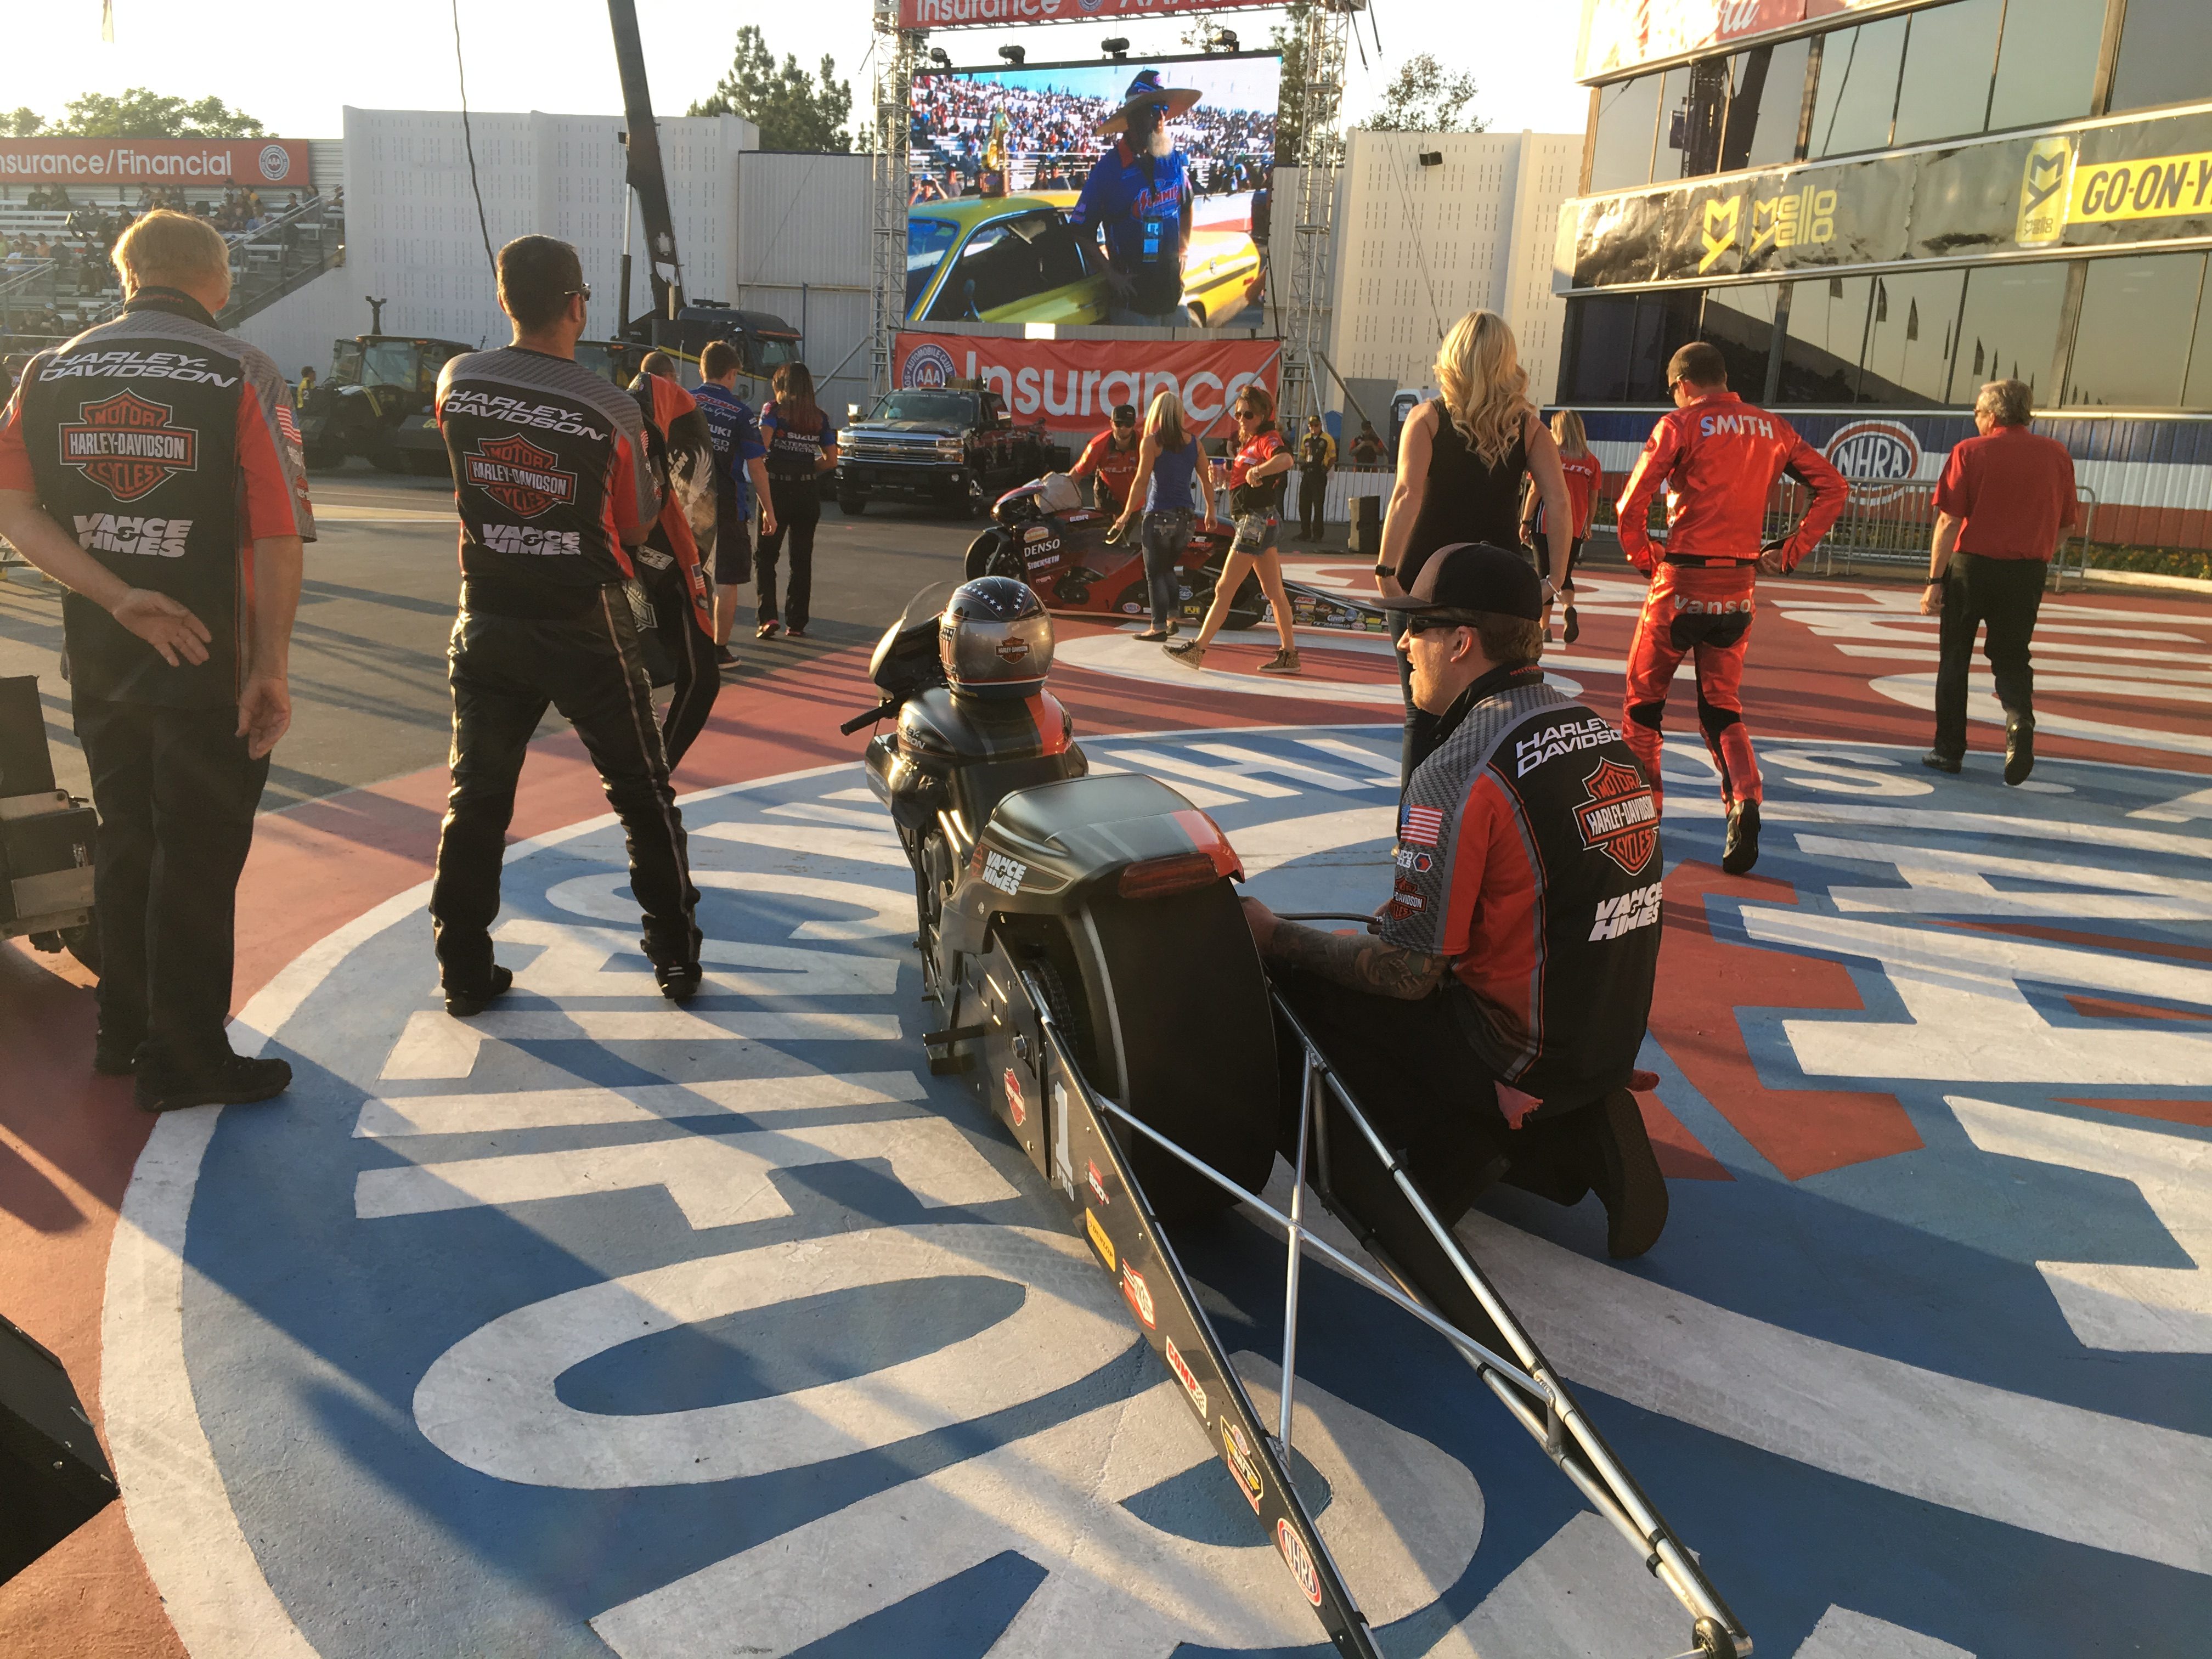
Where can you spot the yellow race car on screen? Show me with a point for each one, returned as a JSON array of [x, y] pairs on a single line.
[[1016, 260]]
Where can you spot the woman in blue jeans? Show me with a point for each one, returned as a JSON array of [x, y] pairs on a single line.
[[1169, 462]]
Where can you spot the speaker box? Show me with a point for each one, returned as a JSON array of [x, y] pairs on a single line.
[[1367, 524], [51, 1469], [25, 766]]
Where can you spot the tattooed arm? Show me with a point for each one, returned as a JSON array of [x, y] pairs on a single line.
[[1358, 963]]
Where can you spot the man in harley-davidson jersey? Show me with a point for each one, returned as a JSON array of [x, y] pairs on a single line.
[[1490, 1022]]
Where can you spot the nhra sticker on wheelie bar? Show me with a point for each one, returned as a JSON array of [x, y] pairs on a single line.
[[1295, 1558]]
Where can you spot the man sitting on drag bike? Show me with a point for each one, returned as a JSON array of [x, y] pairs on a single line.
[[1490, 1024]]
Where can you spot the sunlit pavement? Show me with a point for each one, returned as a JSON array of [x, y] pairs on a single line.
[[594, 1324]]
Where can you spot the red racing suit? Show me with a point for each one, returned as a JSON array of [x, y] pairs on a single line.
[[1719, 460]]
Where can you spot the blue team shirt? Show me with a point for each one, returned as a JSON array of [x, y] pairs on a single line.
[[735, 432], [1143, 202]]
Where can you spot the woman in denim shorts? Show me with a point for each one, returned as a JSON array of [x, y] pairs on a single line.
[[1256, 476]]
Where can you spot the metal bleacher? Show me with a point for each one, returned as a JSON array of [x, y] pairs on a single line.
[[44, 301]]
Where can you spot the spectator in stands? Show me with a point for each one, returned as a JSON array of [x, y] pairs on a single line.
[[2004, 504]]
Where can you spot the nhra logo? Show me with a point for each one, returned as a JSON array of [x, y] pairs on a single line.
[[1618, 817], [1879, 457], [519, 476], [275, 163], [126, 446], [927, 368]]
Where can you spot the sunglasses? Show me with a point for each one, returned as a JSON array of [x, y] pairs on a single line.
[[583, 293], [1247, 414], [1423, 624]]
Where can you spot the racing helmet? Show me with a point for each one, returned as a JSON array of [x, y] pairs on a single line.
[[995, 639]]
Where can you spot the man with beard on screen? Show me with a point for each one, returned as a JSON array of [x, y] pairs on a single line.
[[1139, 192]]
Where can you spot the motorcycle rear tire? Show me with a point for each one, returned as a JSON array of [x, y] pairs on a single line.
[[1249, 606], [1183, 1035]]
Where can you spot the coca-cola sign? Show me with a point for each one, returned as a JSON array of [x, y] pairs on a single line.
[[977, 14], [1072, 386]]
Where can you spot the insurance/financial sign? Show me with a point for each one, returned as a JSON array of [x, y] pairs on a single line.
[[194, 163]]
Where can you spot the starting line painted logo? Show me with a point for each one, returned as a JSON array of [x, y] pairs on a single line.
[[602, 1325]]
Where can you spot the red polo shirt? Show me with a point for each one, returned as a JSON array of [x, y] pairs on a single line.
[[2013, 491]]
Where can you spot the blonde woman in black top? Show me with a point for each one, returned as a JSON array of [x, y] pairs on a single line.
[[1462, 461]]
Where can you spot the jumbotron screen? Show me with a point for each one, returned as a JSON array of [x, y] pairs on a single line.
[[1134, 192]]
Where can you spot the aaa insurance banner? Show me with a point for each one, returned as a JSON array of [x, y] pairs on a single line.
[[970, 14], [247, 163], [1072, 386]]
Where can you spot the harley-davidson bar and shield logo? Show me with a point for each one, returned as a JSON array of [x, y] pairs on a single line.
[[127, 446], [519, 476], [1617, 817]]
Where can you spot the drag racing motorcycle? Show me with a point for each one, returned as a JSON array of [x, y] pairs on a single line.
[[1043, 535], [1097, 986]]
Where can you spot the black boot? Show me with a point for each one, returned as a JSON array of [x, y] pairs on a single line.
[[235, 1081], [1627, 1179], [2019, 747], [1741, 851], [1937, 759], [462, 1004], [679, 981]]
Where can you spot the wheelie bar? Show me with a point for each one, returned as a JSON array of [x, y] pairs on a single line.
[[1071, 1143], [1538, 1398], [1091, 1170]]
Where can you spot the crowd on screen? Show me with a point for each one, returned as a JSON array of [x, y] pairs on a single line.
[[1049, 136]]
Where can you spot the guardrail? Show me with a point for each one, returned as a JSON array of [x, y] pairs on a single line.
[[1884, 523]]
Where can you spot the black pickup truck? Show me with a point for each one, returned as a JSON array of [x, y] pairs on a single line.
[[946, 447]]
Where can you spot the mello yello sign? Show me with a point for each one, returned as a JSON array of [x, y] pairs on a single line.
[[214, 163]]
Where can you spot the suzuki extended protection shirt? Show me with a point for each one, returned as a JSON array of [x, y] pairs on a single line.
[[1144, 202]]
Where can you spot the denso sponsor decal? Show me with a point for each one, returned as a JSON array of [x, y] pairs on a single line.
[[109, 532]]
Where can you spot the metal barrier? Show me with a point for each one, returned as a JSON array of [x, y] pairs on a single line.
[[1884, 523]]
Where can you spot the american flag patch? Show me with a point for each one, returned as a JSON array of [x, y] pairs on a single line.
[[1422, 825], [285, 424]]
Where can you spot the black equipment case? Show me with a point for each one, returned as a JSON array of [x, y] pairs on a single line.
[[45, 838], [52, 1473]]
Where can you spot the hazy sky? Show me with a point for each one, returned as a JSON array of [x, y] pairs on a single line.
[[297, 66]]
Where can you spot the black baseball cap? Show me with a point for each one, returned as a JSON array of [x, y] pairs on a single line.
[[1124, 414], [1474, 576]]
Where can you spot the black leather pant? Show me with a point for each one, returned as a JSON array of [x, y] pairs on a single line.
[[2007, 594], [177, 794], [1313, 500], [691, 653], [504, 672], [798, 510]]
